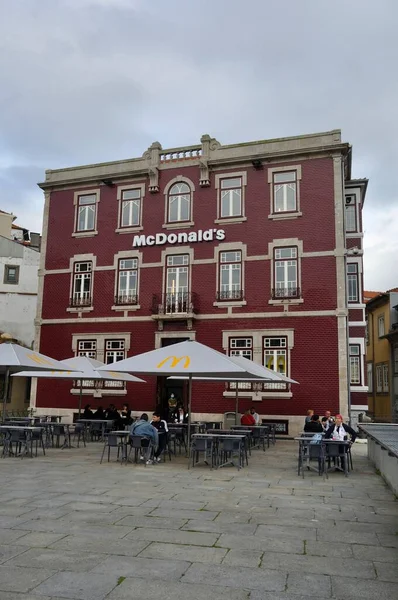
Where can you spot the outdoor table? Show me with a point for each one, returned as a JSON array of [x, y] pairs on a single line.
[[217, 436], [325, 447], [253, 429], [104, 423], [27, 429]]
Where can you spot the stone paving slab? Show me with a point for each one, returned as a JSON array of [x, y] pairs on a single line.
[[72, 528]]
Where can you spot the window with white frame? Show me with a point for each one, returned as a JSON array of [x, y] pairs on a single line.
[[350, 214], [241, 346], [86, 209], [396, 358], [379, 378], [275, 358], [385, 378], [127, 291], [380, 323], [87, 348], [179, 203], [352, 282], [114, 351], [369, 373], [284, 191], [130, 214], [367, 332], [177, 284], [231, 197], [82, 284], [230, 277], [355, 364], [286, 273]]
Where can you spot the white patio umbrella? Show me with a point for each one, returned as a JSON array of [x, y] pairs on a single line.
[[82, 368], [254, 372], [14, 358], [188, 358]]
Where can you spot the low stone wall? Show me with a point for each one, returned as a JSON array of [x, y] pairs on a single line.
[[383, 450]]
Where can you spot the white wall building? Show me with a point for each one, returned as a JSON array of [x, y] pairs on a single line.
[[19, 264]]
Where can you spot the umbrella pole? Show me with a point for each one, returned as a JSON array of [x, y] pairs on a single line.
[[80, 397], [5, 395], [236, 404], [189, 415]]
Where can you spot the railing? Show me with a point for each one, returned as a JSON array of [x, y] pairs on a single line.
[[181, 153], [81, 299], [130, 299], [174, 303], [99, 384], [229, 295], [290, 292], [258, 387]]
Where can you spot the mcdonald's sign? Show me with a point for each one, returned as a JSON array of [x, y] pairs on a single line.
[[175, 361]]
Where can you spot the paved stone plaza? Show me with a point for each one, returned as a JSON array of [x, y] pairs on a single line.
[[72, 528]]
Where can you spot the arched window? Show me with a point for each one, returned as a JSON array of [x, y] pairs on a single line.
[[179, 203]]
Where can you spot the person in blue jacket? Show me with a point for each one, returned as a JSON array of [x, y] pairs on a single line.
[[143, 428]]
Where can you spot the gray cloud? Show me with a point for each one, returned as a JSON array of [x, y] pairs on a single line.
[[92, 80]]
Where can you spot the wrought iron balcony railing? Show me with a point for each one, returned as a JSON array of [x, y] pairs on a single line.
[[289, 292], [229, 295], [174, 304], [84, 299], [130, 299]]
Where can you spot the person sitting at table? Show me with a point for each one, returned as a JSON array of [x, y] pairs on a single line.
[[125, 416], [314, 426], [329, 420], [255, 416], [308, 418], [247, 418], [111, 413], [99, 414], [143, 428], [87, 413], [340, 431], [180, 416], [161, 426]]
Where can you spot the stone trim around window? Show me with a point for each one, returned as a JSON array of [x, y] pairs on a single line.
[[226, 220], [120, 255], [229, 247], [168, 186], [257, 335], [287, 243], [91, 233], [119, 194], [288, 215]]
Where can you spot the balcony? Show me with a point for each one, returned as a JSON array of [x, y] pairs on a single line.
[[177, 306], [229, 295], [81, 300], [126, 299], [286, 293]]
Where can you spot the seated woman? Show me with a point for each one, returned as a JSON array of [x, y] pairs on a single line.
[[180, 416], [99, 413], [313, 426], [125, 416]]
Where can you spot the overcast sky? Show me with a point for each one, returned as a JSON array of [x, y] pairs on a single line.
[[86, 81]]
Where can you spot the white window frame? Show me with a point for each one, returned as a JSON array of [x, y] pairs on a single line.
[[86, 232], [82, 276], [351, 204], [120, 191], [353, 276], [285, 262], [275, 351], [131, 298], [280, 244], [245, 350], [284, 214], [369, 373], [242, 175], [381, 325], [355, 364], [386, 381], [379, 379], [178, 224], [229, 266]]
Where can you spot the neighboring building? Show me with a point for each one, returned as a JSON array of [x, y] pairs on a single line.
[[252, 249], [19, 264], [382, 355]]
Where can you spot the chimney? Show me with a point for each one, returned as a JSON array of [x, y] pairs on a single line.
[[35, 240]]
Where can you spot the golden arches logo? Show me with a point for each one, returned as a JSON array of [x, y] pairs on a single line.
[[175, 361], [40, 360]]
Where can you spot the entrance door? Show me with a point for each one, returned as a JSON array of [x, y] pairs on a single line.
[[166, 387]]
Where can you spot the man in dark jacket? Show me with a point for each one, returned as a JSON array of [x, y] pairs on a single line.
[[161, 426], [313, 426]]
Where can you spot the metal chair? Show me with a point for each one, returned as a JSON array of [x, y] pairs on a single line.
[[205, 446], [340, 456], [136, 444], [37, 437], [57, 431], [230, 448], [80, 433], [310, 451], [112, 441], [96, 431]]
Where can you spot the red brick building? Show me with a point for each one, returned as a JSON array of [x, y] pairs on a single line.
[[253, 248]]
